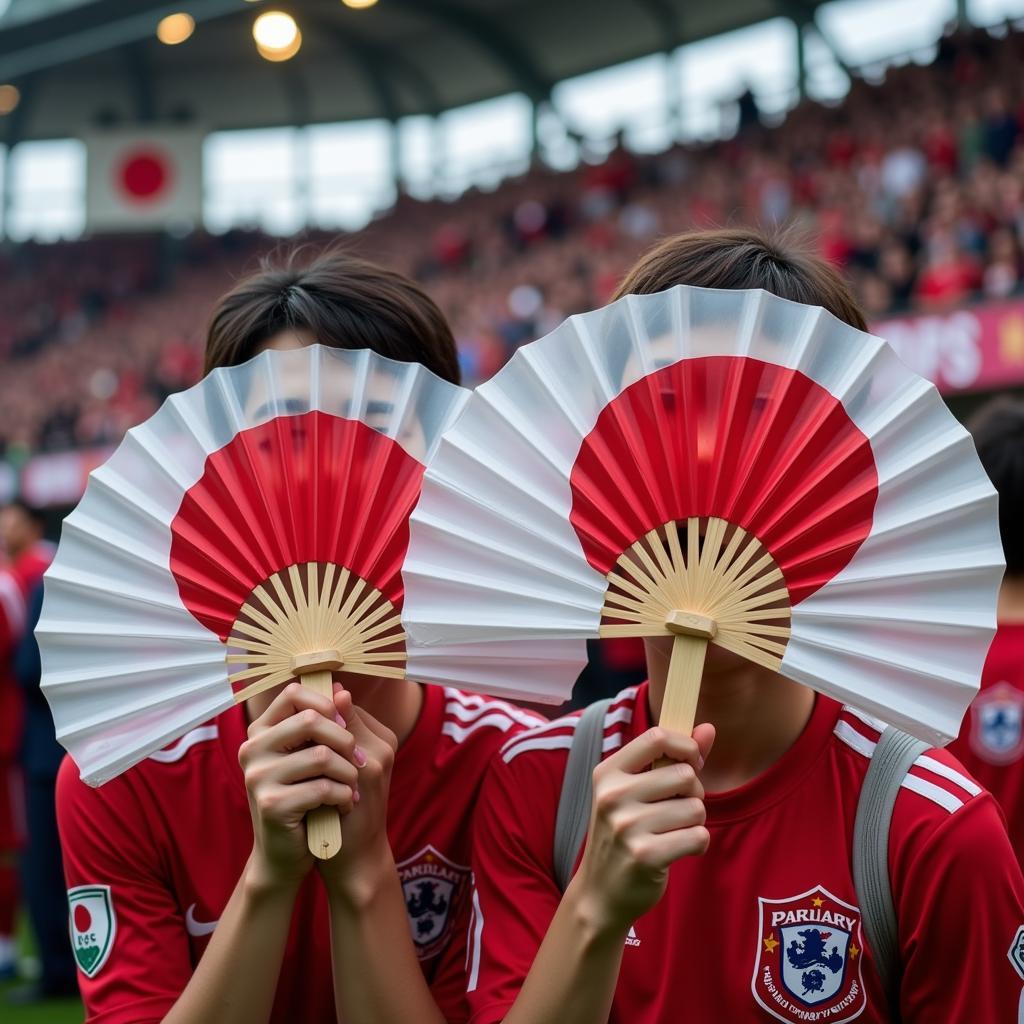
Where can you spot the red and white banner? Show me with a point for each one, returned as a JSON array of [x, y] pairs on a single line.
[[144, 179], [965, 350]]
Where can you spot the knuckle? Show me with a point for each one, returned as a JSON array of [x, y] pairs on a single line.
[[319, 754], [266, 802], [696, 812], [687, 776], [657, 735], [701, 839]]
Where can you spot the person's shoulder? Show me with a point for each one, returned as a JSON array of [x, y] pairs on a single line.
[[476, 726], [184, 761], [935, 787], [547, 746]]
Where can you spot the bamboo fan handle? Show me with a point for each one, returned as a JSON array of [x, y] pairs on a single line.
[[323, 824], [685, 668]]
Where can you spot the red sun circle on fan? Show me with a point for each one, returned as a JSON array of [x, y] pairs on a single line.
[[296, 489], [759, 445], [83, 919], [144, 175]]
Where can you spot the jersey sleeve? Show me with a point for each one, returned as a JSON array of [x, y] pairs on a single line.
[[960, 902], [129, 936], [514, 892]]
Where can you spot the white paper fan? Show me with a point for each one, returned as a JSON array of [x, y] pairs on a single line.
[[257, 519], [722, 465]]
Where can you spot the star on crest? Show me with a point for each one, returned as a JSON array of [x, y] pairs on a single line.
[[817, 901], [770, 943], [854, 951]]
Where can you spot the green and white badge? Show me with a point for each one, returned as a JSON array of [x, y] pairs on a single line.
[[93, 926]]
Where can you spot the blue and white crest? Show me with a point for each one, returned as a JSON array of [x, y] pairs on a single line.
[[435, 889], [997, 724], [809, 958]]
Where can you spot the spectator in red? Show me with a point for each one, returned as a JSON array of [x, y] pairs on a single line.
[[27, 556]]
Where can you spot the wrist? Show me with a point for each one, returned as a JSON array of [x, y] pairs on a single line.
[[262, 882], [594, 921], [356, 887]]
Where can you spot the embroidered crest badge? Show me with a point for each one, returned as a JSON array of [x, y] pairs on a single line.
[[997, 724], [93, 926], [808, 964], [435, 890]]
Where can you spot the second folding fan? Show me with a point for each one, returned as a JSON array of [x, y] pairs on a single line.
[[724, 467]]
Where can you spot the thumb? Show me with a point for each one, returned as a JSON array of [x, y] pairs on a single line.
[[366, 729], [704, 737]]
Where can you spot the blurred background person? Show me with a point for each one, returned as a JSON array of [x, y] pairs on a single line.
[[991, 742], [26, 557]]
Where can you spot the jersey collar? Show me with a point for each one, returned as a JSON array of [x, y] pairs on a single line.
[[773, 785]]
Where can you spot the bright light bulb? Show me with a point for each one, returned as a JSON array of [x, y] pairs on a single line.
[[284, 53], [10, 97], [359, 5], [175, 28], [275, 30]]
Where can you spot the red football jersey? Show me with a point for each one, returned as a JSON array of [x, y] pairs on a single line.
[[152, 857], [766, 925], [991, 742]]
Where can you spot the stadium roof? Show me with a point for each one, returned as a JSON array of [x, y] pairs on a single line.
[[97, 62]]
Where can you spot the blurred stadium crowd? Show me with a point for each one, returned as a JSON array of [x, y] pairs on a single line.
[[914, 185]]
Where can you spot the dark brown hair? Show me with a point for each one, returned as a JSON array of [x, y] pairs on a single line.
[[343, 301], [998, 429], [743, 258]]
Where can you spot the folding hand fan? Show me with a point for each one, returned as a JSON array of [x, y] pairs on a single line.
[[251, 531], [720, 466]]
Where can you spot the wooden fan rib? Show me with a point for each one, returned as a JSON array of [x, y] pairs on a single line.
[[728, 556], [264, 684], [739, 609], [382, 641], [656, 577], [382, 628], [274, 618], [615, 580], [749, 652], [356, 626], [753, 572], [743, 626], [657, 545], [639, 630], [266, 658], [643, 607]]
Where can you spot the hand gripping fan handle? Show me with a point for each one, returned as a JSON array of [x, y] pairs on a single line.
[[685, 668], [323, 824]]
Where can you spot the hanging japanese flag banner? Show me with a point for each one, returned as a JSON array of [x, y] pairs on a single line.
[[143, 179]]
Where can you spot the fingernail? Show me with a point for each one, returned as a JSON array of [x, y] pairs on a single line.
[[339, 719], [355, 796], [359, 756], [700, 762]]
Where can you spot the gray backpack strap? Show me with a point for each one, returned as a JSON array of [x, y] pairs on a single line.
[[574, 803], [893, 756]]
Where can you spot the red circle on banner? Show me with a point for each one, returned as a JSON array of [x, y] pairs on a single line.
[[143, 175], [761, 446], [83, 919], [297, 489]]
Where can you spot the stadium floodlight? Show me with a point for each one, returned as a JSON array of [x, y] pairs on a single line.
[[10, 97], [274, 30], [175, 28], [359, 5], [277, 36]]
